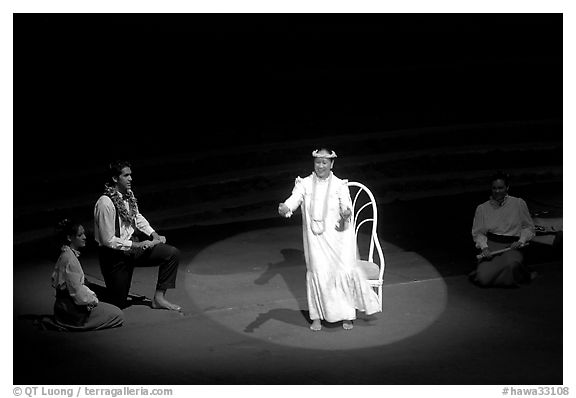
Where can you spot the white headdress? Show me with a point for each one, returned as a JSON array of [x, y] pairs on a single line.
[[330, 156]]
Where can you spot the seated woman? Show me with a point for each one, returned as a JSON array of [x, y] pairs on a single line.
[[336, 287], [503, 222], [77, 307]]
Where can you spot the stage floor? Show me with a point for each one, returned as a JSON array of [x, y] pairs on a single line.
[[245, 322]]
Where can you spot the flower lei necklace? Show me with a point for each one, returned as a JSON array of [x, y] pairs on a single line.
[[116, 197], [318, 226]]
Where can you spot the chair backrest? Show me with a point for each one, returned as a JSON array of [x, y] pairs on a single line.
[[365, 213]]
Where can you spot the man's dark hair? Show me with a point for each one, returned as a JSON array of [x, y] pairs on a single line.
[[324, 148], [500, 175], [115, 169]]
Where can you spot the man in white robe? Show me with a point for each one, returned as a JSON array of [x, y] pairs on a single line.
[[336, 286]]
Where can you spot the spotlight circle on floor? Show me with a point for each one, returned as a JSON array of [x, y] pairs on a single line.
[[254, 284]]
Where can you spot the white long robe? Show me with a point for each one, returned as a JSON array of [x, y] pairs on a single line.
[[336, 286]]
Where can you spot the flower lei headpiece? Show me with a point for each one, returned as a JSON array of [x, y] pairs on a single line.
[[116, 197], [330, 156]]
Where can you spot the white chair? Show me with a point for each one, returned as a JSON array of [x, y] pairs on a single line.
[[364, 203]]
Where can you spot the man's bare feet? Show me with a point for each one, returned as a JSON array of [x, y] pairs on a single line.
[[160, 302], [347, 325], [316, 325]]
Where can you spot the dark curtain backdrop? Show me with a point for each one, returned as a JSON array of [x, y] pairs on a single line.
[[92, 87]]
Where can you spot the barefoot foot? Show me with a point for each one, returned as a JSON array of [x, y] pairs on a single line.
[[162, 303], [347, 325], [316, 325]]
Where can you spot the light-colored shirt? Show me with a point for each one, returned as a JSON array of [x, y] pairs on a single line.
[[105, 225], [68, 274], [511, 218]]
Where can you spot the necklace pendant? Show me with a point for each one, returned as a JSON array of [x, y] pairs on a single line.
[[317, 227]]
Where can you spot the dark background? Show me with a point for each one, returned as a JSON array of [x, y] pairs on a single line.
[[90, 88], [101, 84]]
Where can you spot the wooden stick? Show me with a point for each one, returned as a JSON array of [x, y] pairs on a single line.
[[480, 256]]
